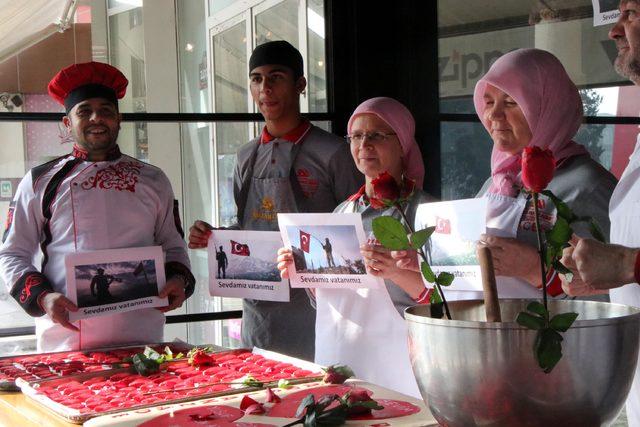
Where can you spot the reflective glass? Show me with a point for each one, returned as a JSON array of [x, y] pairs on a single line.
[[126, 42], [27, 68], [466, 153], [316, 57], [473, 35]]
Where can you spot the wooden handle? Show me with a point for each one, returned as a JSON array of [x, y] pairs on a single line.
[[491, 304]]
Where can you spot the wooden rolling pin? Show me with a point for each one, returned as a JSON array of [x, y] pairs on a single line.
[[491, 304]]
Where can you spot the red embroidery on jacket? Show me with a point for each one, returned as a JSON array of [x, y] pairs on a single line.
[[31, 281], [121, 176]]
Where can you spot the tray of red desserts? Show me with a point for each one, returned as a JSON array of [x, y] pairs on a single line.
[[278, 407], [33, 367], [78, 397]]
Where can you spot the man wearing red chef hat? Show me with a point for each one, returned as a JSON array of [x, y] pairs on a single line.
[[91, 199]]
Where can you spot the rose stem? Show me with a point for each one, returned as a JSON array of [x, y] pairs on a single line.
[[541, 251]]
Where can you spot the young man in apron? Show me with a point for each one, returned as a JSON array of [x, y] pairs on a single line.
[[67, 205], [616, 266], [293, 166]]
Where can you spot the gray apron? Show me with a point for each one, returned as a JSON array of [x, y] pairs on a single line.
[[285, 327]]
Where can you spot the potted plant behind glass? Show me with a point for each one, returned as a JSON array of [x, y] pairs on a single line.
[[538, 367]]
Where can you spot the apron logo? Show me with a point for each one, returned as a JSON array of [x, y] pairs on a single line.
[[267, 203], [308, 184], [547, 219], [266, 213]]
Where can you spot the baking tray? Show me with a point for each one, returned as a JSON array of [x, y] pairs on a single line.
[[132, 396], [405, 411], [27, 367]]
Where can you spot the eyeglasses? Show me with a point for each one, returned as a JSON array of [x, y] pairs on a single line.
[[374, 137]]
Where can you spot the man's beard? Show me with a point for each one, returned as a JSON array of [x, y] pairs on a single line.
[[628, 67]]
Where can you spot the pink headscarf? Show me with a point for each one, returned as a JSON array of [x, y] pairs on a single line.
[[539, 84], [399, 118]]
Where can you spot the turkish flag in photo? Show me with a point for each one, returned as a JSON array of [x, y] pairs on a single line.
[[305, 241], [443, 226], [239, 249]]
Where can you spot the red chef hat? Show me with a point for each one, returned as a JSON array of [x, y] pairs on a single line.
[[78, 82]]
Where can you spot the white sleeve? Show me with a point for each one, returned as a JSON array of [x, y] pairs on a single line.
[[23, 234]]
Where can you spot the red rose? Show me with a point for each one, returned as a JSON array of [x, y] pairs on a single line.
[[337, 374], [376, 203], [408, 185], [385, 187], [354, 399], [538, 166], [272, 397], [201, 358], [358, 395], [251, 407]]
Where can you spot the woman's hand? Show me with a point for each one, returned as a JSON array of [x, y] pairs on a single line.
[[284, 260], [513, 258], [406, 260], [598, 266], [380, 263], [199, 234]]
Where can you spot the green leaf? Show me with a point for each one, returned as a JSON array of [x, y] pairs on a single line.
[[308, 401], [369, 404], [390, 233], [310, 419], [427, 272], [284, 384], [435, 297], [548, 349], [445, 278], [564, 211], [549, 256], [343, 370], [143, 365], [595, 231], [151, 353], [560, 234], [419, 238], [530, 321], [562, 322], [538, 308], [250, 381]]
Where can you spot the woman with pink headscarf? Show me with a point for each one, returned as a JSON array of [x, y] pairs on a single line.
[[365, 328], [527, 99]]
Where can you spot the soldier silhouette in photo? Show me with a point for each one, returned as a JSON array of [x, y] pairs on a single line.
[[100, 286], [223, 262], [328, 251]]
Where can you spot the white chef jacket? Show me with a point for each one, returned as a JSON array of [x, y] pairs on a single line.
[[118, 203], [624, 211]]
